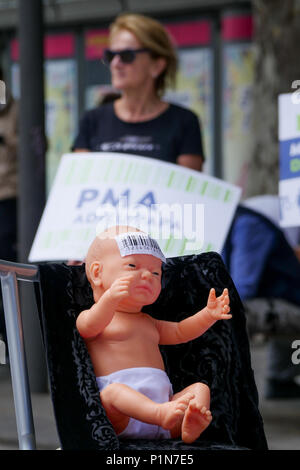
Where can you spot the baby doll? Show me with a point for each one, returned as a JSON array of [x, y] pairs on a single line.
[[124, 267]]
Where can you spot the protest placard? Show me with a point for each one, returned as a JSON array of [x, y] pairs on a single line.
[[289, 150], [185, 210]]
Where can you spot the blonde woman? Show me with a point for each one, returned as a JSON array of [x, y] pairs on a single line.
[[142, 62]]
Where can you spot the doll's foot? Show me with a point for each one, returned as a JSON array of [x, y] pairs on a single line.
[[195, 421], [173, 411]]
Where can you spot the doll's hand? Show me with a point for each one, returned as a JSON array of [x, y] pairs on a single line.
[[120, 288], [218, 307]]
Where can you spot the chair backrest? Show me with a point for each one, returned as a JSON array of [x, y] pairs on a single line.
[[221, 357]]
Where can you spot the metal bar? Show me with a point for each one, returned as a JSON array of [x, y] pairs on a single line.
[[32, 182], [24, 272], [32, 146], [18, 366]]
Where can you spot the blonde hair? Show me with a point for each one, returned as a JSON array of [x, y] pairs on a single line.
[[153, 36]]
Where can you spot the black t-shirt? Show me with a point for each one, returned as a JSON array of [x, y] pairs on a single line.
[[174, 132]]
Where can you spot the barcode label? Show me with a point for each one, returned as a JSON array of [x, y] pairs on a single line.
[[132, 243]]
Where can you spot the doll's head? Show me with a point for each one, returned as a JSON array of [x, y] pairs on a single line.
[[124, 251]]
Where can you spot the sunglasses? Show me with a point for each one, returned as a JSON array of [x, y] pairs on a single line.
[[127, 56]]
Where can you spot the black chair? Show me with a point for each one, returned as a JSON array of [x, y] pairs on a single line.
[[220, 358]]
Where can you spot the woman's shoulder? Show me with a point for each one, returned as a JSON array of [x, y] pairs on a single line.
[[181, 112]]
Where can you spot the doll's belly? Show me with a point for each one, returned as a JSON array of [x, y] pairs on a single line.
[[111, 356]]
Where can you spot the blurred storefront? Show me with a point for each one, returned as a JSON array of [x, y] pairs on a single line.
[[215, 76]]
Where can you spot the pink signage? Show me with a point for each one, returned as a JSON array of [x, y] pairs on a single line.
[[95, 43], [190, 33], [55, 46], [237, 27]]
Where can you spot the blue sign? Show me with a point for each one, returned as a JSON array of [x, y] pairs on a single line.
[[289, 151]]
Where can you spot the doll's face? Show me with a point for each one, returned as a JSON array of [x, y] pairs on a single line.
[[144, 270]]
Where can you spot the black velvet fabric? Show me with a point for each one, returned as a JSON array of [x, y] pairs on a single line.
[[219, 358]]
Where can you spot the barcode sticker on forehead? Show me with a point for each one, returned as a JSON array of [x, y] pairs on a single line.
[[138, 243]]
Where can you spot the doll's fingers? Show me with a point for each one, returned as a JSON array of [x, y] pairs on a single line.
[[123, 293], [225, 307], [221, 297], [120, 283], [125, 281], [212, 294], [226, 312], [122, 287], [226, 316], [225, 293]]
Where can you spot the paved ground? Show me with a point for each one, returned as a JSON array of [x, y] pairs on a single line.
[[42, 414], [281, 417]]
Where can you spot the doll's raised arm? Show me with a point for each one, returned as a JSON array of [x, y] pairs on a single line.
[[217, 308], [91, 322]]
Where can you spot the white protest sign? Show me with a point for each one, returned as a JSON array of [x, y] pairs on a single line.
[[289, 150], [184, 210]]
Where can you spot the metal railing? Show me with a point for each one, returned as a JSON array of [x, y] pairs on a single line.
[[10, 274]]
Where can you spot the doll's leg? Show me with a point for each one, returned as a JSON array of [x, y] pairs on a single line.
[[197, 415], [122, 402]]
